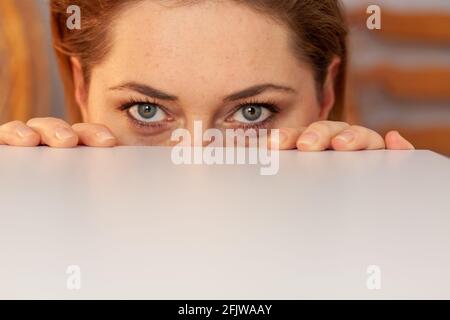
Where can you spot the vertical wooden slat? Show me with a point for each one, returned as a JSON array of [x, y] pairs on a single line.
[[25, 86]]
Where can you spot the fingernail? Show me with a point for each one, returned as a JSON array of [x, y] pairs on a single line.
[[63, 133], [346, 136], [24, 132], [104, 135], [309, 138]]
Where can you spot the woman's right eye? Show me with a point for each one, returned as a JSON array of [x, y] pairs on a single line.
[[147, 113]]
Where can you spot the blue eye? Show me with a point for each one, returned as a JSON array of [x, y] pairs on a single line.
[[146, 112], [252, 114]]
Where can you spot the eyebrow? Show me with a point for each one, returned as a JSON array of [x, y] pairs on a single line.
[[146, 90], [257, 90], [159, 94]]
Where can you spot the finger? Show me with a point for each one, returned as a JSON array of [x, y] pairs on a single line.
[[287, 138], [318, 136], [16, 133], [357, 138], [54, 132], [394, 141], [94, 135]]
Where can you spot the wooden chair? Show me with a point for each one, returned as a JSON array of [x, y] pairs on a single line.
[[419, 83], [24, 60]]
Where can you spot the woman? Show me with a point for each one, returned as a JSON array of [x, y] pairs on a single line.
[[138, 69]]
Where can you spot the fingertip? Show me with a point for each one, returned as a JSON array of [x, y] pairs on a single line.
[[395, 141], [31, 141], [27, 137], [105, 139], [343, 141], [308, 141], [392, 135], [288, 138], [94, 135], [65, 138], [358, 138], [338, 144], [16, 133]]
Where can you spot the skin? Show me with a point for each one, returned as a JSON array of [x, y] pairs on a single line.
[[203, 57]]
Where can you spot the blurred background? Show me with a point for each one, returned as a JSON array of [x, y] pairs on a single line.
[[399, 75]]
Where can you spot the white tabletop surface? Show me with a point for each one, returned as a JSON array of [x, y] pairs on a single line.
[[139, 226]]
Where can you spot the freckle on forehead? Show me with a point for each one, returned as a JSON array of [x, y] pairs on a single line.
[[194, 43]]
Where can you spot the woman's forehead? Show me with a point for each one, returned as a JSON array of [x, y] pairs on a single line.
[[201, 33], [205, 42]]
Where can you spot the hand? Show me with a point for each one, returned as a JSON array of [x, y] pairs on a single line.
[[318, 136], [55, 133], [339, 136]]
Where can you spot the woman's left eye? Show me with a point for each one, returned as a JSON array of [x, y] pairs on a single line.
[[147, 112], [252, 114]]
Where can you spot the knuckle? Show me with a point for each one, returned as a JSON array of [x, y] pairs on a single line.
[[358, 128], [16, 123], [329, 128], [361, 134], [33, 121], [47, 121], [89, 128], [330, 123], [79, 126], [320, 127], [12, 124]]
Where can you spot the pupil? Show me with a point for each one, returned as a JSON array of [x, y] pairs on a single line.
[[147, 111], [252, 113]]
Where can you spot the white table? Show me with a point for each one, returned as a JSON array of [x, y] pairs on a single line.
[[139, 226]]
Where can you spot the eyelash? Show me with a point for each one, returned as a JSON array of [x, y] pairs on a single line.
[[125, 106], [269, 105]]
